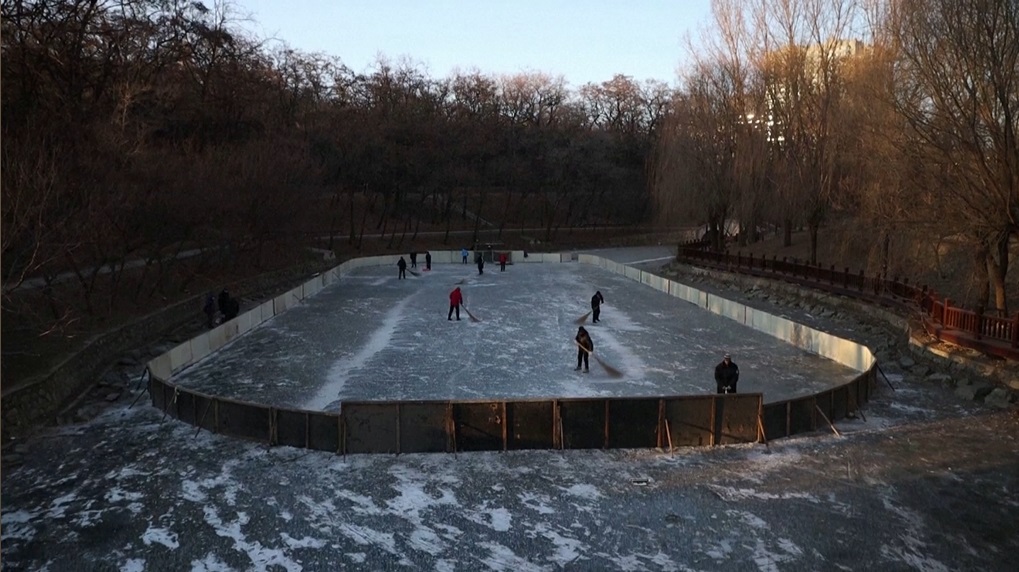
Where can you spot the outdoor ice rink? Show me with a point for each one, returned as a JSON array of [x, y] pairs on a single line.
[[375, 337], [924, 482]]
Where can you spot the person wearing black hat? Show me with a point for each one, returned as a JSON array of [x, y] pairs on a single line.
[[596, 301], [726, 375]]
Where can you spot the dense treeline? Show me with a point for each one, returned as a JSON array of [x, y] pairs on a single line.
[[140, 129], [910, 136]]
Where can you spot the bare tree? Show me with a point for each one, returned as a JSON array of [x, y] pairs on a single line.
[[957, 85]]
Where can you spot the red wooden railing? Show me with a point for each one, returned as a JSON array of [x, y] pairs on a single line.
[[995, 335]]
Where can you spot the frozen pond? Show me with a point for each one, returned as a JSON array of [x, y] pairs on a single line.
[[372, 336]]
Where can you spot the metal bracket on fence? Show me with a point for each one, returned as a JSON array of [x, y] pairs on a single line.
[[888, 381]]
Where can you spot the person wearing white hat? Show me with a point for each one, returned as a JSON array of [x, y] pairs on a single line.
[[726, 375]]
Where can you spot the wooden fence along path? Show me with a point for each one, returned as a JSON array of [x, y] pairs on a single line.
[[992, 335]]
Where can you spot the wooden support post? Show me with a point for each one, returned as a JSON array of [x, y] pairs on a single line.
[[605, 444], [1015, 331], [505, 428], [668, 435], [202, 420], [825, 417]]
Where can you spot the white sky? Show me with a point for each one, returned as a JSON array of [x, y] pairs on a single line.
[[583, 40]]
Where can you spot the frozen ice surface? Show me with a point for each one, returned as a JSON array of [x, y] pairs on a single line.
[[373, 337]]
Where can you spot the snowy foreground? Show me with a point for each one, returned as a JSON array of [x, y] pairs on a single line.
[[926, 482]]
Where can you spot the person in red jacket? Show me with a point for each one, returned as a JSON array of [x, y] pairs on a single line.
[[502, 262], [456, 299]]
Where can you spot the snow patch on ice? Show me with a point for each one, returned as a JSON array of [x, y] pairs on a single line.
[[732, 494], [567, 550], [537, 503], [501, 519], [585, 491], [211, 563], [339, 372], [262, 557], [17, 525], [501, 558], [155, 535], [306, 542], [133, 565]]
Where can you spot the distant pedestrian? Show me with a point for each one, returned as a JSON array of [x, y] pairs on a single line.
[[726, 375], [210, 310], [228, 306], [402, 265], [456, 299], [463, 254], [481, 264], [413, 259], [428, 260], [221, 301], [586, 344], [596, 301], [502, 262]]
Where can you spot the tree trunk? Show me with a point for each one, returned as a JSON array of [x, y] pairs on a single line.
[[885, 249], [981, 263], [812, 228], [997, 270], [787, 232]]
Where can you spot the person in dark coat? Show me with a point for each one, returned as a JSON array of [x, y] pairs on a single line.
[[428, 260], [481, 264], [402, 265], [228, 305], [210, 310], [726, 375], [221, 301], [456, 299], [586, 344], [596, 301], [502, 262], [413, 259]]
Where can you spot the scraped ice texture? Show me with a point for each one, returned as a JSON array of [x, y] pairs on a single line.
[[373, 337]]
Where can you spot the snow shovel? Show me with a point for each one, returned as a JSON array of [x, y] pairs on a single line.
[[469, 314], [582, 319]]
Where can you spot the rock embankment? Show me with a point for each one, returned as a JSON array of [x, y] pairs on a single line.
[[898, 341]]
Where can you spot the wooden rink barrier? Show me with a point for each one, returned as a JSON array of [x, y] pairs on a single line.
[[454, 426], [395, 427]]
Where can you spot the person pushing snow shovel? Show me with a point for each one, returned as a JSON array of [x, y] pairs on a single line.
[[586, 347]]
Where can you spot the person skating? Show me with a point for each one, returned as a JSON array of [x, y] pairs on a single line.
[[481, 264], [456, 299], [402, 265], [502, 262], [463, 254], [428, 260], [584, 351], [413, 259], [596, 301], [726, 375]]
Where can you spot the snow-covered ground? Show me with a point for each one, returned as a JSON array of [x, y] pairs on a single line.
[[926, 482]]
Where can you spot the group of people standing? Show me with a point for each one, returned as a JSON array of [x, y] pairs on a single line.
[[219, 309], [401, 264]]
